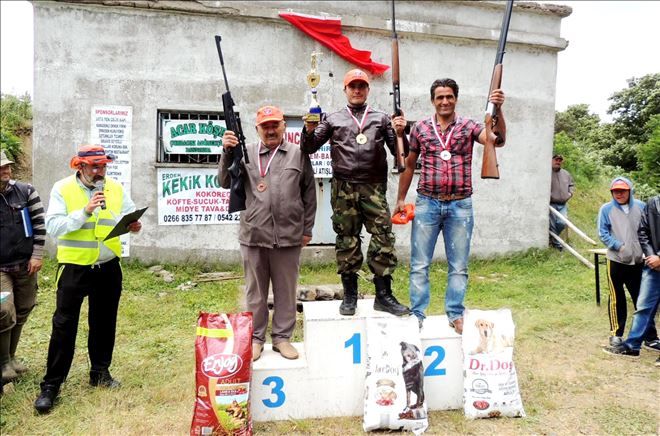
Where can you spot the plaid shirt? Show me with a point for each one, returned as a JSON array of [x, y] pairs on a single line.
[[439, 176]]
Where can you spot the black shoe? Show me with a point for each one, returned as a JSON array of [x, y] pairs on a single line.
[[622, 350], [652, 345], [349, 303], [616, 341], [420, 322], [385, 301], [46, 399], [103, 379]]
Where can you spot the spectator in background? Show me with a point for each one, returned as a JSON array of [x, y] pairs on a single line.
[[643, 329], [561, 190], [618, 222], [22, 237]]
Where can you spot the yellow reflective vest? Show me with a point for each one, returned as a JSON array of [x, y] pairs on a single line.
[[82, 247]]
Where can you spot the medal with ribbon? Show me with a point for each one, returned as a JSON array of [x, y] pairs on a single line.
[[262, 186], [361, 138], [445, 154]]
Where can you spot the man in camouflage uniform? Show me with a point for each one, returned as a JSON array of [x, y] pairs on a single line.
[[358, 137]]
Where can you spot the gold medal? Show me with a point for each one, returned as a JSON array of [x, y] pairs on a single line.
[[261, 187], [361, 139]]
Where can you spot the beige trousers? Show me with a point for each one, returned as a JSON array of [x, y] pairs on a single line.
[[279, 267]]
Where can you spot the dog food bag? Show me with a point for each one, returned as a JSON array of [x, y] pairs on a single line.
[[223, 349], [394, 387], [491, 383]]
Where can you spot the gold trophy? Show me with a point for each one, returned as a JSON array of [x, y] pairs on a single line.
[[313, 79]]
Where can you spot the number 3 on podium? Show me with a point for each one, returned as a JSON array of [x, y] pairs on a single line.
[[276, 390]]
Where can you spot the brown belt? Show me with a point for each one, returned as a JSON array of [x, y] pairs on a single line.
[[444, 197]]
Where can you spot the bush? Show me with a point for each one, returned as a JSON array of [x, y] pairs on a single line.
[[648, 157], [11, 144], [583, 164]]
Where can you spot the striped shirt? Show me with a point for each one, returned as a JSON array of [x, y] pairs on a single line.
[[438, 176]]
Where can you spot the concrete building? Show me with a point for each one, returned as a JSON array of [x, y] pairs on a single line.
[[127, 73]]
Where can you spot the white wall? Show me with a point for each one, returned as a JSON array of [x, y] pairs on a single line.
[[162, 56]]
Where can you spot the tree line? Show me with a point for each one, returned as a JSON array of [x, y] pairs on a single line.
[[630, 145], [15, 122]]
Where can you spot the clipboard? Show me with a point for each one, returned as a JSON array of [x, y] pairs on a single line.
[[122, 225]]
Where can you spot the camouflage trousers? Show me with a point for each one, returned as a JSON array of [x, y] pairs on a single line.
[[354, 205]]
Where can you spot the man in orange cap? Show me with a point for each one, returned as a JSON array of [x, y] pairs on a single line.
[[83, 209], [277, 222], [359, 136], [618, 221]]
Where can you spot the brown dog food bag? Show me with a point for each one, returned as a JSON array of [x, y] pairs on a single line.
[[223, 368]]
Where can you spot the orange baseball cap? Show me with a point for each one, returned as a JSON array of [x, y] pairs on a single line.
[[269, 113], [354, 75], [91, 155], [620, 184]]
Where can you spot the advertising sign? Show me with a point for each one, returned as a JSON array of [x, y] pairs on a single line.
[[192, 196], [193, 136], [111, 128]]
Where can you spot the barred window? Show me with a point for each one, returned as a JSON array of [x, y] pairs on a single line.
[[187, 158]]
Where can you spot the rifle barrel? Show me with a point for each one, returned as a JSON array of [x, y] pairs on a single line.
[[503, 32], [222, 62], [393, 20]]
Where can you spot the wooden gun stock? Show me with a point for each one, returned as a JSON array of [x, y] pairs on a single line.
[[489, 164], [495, 130]]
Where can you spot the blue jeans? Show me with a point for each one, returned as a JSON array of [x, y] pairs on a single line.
[[454, 219], [556, 225], [647, 306]]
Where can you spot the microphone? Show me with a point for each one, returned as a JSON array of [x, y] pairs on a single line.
[[99, 185]]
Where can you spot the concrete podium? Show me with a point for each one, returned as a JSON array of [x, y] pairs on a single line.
[[328, 378]]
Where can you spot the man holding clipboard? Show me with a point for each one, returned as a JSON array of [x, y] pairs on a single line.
[[82, 211]]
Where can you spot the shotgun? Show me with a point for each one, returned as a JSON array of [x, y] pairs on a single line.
[[495, 135], [233, 123], [400, 160]]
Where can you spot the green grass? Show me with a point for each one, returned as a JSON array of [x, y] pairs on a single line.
[[567, 384]]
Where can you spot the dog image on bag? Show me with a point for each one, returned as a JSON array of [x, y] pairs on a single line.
[[489, 340], [413, 374], [490, 384]]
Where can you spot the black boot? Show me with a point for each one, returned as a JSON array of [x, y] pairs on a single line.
[[103, 379], [385, 301], [46, 398], [348, 305]]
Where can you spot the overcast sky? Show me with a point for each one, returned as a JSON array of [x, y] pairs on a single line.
[[609, 42]]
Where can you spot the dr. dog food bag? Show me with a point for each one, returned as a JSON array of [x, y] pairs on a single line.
[[491, 383], [394, 387], [223, 349]]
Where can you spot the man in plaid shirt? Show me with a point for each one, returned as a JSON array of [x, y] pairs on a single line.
[[444, 141]]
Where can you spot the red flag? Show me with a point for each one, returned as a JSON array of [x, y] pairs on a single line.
[[327, 31]]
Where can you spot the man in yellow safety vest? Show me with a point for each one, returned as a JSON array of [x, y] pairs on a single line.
[[82, 210]]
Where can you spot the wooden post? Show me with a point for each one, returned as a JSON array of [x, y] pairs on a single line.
[[572, 226], [572, 251]]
